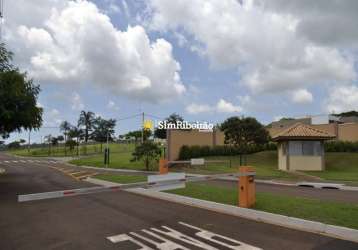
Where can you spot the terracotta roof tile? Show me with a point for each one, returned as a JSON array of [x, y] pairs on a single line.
[[302, 131]]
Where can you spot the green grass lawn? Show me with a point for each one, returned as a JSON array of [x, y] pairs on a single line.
[[340, 167], [265, 164], [122, 179], [59, 151], [335, 213]]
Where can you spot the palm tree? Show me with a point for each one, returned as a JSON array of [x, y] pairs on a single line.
[[65, 127], [76, 133], [86, 120]]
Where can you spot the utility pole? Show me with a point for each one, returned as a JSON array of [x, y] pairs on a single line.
[[142, 127], [1, 16], [107, 152], [29, 141]]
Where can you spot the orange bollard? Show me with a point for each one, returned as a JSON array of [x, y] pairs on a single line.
[[163, 166], [247, 191]]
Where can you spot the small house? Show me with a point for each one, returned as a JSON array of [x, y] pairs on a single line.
[[300, 147]]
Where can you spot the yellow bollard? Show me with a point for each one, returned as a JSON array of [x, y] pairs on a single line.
[[247, 191], [163, 166]]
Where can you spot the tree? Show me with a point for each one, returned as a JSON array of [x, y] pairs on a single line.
[[137, 134], [244, 132], [86, 120], [60, 138], [162, 133], [48, 139], [65, 127], [14, 145], [22, 141], [102, 129], [148, 151], [77, 133], [348, 113], [18, 98], [54, 141]]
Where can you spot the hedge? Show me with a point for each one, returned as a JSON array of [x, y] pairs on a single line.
[[341, 146], [188, 152]]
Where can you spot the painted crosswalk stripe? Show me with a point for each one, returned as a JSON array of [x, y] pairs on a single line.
[[6, 161]]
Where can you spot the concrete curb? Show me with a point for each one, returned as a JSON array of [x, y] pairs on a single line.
[[275, 219], [101, 182]]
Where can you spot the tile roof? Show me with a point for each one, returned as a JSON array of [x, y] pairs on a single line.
[[302, 131]]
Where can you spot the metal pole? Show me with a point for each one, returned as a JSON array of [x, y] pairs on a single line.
[[107, 152], [142, 127], [29, 142]]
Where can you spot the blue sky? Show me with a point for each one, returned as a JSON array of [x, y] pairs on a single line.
[[205, 60]]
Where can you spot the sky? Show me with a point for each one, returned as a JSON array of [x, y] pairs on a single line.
[[205, 60]]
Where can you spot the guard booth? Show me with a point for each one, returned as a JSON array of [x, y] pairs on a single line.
[[301, 147]]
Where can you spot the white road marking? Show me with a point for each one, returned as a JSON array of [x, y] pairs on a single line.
[[164, 245], [213, 237], [183, 237], [125, 237], [14, 161], [6, 161], [170, 245]]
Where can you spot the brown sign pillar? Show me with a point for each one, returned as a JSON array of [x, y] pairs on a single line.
[[247, 191], [163, 166]]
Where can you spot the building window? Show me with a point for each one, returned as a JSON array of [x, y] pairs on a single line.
[[305, 148]]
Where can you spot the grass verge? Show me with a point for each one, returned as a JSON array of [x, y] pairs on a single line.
[[334, 213], [339, 167], [122, 179]]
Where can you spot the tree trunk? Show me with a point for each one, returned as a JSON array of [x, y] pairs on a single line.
[[147, 163], [65, 144]]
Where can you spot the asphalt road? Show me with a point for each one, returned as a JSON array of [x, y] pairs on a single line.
[[86, 222]]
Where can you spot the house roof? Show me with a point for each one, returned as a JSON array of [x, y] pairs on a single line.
[[302, 131]]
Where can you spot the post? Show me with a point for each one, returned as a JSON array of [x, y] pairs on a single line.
[[107, 152], [142, 127], [29, 141], [163, 166], [247, 190]]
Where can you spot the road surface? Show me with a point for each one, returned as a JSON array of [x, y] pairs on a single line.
[[122, 220]]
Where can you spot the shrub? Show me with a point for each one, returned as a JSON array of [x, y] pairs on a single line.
[[340, 146], [188, 152]]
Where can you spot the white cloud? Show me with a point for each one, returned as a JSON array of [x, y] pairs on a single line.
[[112, 105], [342, 98], [277, 118], [227, 107], [77, 103], [302, 96], [73, 42], [198, 108], [321, 20], [222, 106], [52, 118], [266, 46]]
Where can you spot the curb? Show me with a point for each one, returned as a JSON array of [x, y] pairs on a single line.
[[260, 216], [101, 182]]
